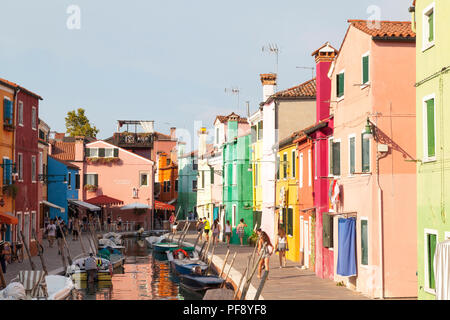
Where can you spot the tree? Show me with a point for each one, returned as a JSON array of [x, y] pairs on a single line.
[[77, 124]]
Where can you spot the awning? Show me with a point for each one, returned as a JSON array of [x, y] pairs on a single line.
[[163, 206], [49, 204], [135, 206], [172, 201], [85, 205], [104, 201], [8, 218]]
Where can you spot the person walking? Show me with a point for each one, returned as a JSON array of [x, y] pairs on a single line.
[[70, 225], [199, 227], [281, 246], [228, 233], [75, 227], [263, 247], [108, 221], [119, 224], [51, 233], [206, 228], [90, 265], [172, 219], [240, 230], [216, 231]]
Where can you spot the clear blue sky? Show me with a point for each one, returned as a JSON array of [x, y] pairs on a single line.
[[167, 61]]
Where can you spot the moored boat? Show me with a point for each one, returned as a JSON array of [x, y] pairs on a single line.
[[169, 246], [187, 263], [197, 283], [78, 272]]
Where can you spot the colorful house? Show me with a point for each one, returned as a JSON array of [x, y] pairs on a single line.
[[187, 182], [63, 183], [43, 145], [372, 167], [237, 179], [430, 21], [167, 178], [256, 122]]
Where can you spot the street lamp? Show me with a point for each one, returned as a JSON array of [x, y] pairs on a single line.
[[368, 134]]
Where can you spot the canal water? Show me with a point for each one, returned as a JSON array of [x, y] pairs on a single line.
[[144, 276]]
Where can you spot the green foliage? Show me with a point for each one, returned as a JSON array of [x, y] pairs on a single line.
[[77, 124]]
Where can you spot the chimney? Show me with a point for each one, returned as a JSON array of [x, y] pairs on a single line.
[[269, 82], [202, 135], [324, 57], [173, 133], [79, 148]]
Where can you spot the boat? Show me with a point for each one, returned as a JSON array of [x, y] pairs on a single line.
[[58, 287], [113, 236], [152, 240], [169, 246], [77, 272], [117, 260], [115, 256], [200, 283], [185, 265], [103, 243]]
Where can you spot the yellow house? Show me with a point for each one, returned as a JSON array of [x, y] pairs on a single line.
[[287, 202]]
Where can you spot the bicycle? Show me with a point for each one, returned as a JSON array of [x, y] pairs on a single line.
[[17, 252]]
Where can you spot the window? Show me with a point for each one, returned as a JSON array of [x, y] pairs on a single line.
[[211, 175], [33, 118], [69, 181], [176, 185], [336, 157], [194, 185], [254, 134], [234, 173], [217, 135], [429, 29], [365, 69], [293, 163], [327, 231], [168, 186], [260, 130], [7, 171], [365, 154], [33, 168], [309, 168], [20, 166], [91, 179], [77, 181], [256, 174], [290, 222], [430, 250], [167, 162], [352, 155], [164, 186], [300, 165], [144, 180], [330, 156], [278, 167], [282, 221], [20, 114], [340, 80], [429, 125], [41, 163], [285, 165], [109, 153], [92, 152], [7, 112], [364, 242]]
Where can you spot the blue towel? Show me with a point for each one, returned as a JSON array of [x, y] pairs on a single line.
[[346, 264]]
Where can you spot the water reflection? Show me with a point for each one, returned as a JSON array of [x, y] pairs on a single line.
[[144, 276]]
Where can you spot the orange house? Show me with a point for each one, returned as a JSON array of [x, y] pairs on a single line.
[[167, 178]]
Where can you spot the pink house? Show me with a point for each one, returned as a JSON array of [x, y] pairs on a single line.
[[372, 160]]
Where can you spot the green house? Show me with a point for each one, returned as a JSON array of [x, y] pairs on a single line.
[[237, 183], [431, 22]]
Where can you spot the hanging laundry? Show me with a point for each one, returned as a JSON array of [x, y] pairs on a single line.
[[346, 264], [442, 270]]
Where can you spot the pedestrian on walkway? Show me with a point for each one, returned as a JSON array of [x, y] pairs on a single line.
[[174, 227], [76, 227], [216, 231], [281, 246], [199, 227], [263, 246], [108, 221], [90, 265], [51, 231], [228, 232], [172, 219], [2, 256], [206, 228], [70, 225], [119, 223], [240, 230]]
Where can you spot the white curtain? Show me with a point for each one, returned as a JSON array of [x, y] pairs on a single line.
[[442, 270]]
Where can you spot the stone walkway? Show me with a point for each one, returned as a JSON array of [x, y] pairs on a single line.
[[290, 283]]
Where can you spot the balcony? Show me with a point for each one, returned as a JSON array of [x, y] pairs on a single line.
[[133, 140]]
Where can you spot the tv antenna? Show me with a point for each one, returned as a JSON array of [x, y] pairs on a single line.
[[310, 68], [272, 48], [236, 91]]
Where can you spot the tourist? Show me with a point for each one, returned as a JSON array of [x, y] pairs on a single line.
[[85, 220], [281, 246], [174, 227], [191, 216], [240, 230], [51, 231], [199, 227], [228, 232], [108, 221], [2, 256], [76, 227], [119, 224], [206, 228], [216, 231], [172, 221], [263, 247], [70, 225], [90, 265]]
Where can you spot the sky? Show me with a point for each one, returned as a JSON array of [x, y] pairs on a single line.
[[167, 61]]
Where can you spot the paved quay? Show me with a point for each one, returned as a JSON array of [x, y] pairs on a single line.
[[289, 283]]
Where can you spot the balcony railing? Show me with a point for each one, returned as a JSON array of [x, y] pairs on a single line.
[[136, 140]]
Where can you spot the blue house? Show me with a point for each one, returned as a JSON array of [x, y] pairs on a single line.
[[63, 182]]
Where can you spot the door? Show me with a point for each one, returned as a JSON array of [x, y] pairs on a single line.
[[26, 228], [306, 243]]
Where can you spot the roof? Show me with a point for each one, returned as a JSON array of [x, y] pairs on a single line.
[[66, 163], [16, 86], [224, 119], [63, 150], [387, 29], [306, 89], [104, 200]]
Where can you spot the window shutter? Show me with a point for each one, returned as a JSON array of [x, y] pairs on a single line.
[[116, 152], [253, 134], [5, 174], [431, 27], [96, 180], [330, 156], [327, 231], [212, 175], [431, 253], [340, 84], [293, 164], [336, 158], [87, 152], [290, 222], [278, 168], [77, 181], [260, 130], [365, 69], [365, 149], [430, 128], [101, 152], [364, 243], [85, 182], [352, 155]]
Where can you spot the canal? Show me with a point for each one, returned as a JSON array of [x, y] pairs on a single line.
[[144, 276]]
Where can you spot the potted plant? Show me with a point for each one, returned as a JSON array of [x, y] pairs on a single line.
[[252, 239], [10, 190], [90, 188]]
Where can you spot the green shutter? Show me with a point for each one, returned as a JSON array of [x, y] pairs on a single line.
[[278, 168], [431, 251], [430, 128], [101, 152], [352, 155], [116, 152], [96, 180], [330, 156], [290, 224], [293, 165], [87, 152], [327, 230], [365, 154], [365, 62], [340, 85], [364, 243], [431, 27], [254, 134], [212, 175], [336, 158], [285, 166]]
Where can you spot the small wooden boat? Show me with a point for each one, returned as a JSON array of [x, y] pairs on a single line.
[[116, 257], [152, 240], [185, 265], [103, 243], [169, 246], [78, 273], [113, 236], [198, 283]]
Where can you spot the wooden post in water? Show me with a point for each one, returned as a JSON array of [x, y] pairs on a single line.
[[79, 237], [231, 266], [224, 263], [40, 253], [244, 274], [196, 241], [210, 260], [261, 285], [249, 280], [69, 259], [27, 250], [185, 233]]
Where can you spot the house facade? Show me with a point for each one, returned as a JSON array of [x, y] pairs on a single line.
[[430, 22], [257, 124], [187, 182], [372, 167], [43, 146]]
